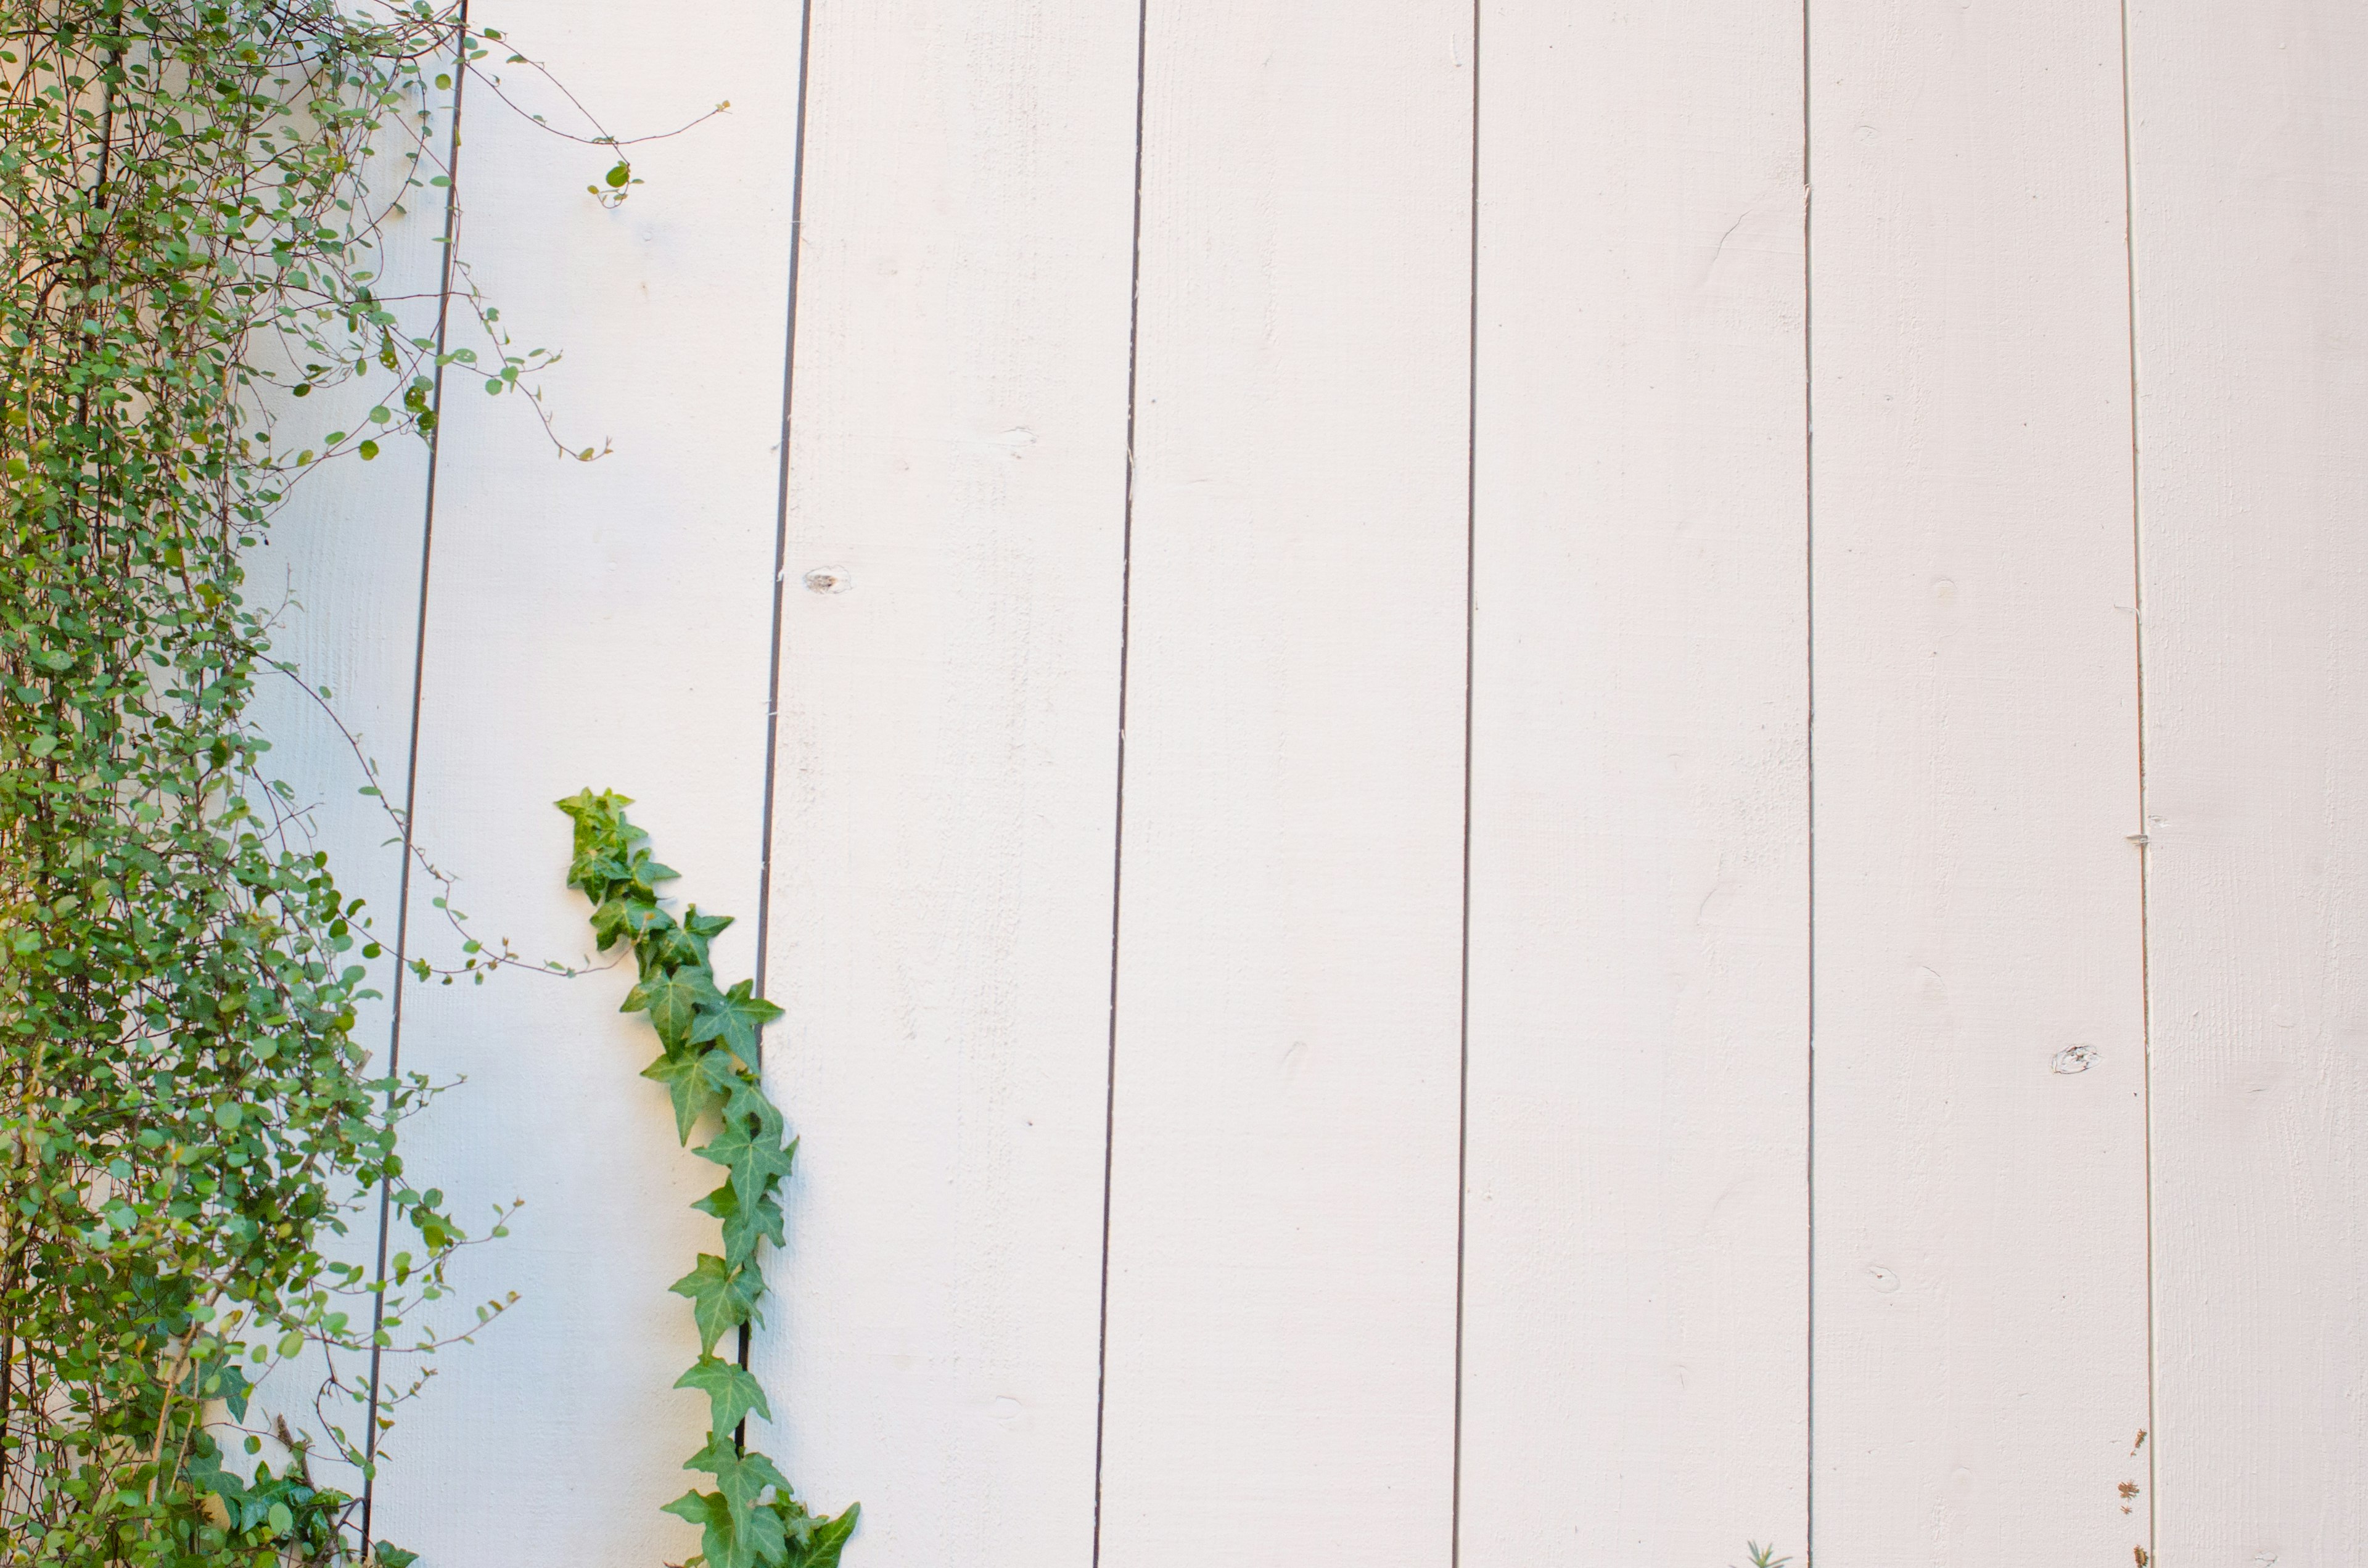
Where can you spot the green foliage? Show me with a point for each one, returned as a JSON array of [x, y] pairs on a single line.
[[187, 1123], [193, 318], [1764, 1556], [708, 1065]]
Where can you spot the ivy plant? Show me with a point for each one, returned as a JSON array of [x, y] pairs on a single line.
[[708, 1063]]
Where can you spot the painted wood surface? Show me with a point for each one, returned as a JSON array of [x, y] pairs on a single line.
[[606, 624], [1804, 1153], [946, 773], [1635, 1348], [1979, 1340], [2251, 156], [1282, 1323]]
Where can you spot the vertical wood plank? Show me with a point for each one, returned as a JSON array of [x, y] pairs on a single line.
[[602, 624], [947, 766], [339, 567], [1280, 1333], [340, 564], [1980, 1357], [2251, 156], [1636, 1346]]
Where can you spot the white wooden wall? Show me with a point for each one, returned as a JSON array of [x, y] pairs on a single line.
[[1554, 783]]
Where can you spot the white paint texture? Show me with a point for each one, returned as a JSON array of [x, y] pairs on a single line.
[[1651, 1359], [2251, 160], [942, 901], [1980, 1274], [1282, 1212], [1635, 1348]]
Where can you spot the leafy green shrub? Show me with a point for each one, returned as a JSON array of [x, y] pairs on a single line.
[[187, 1122]]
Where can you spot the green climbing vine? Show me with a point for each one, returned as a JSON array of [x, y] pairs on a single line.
[[708, 1065], [196, 198], [186, 1122]]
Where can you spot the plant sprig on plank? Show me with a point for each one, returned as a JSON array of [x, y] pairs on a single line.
[[708, 1065]]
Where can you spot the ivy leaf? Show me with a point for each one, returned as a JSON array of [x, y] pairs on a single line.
[[677, 947], [755, 1163], [672, 1002], [734, 1017], [647, 873], [692, 1505], [593, 869], [741, 1477], [688, 1088], [744, 1543], [722, 1203], [760, 1221], [614, 919], [710, 1511], [722, 1298], [731, 1391], [740, 1480], [645, 920], [743, 1227], [826, 1537], [745, 1102], [598, 816], [231, 1386], [763, 1533]]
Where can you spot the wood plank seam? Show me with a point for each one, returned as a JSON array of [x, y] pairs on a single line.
[[1118, 788], [410, 747], [780, 549], [1463, 978], [2137, 649], [1809, 809]]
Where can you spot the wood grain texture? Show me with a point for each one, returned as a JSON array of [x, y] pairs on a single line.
[[2251, 156], [946, 771], [1281, 1291], [602, 624], [1980, 1351], [1636, 1343]]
